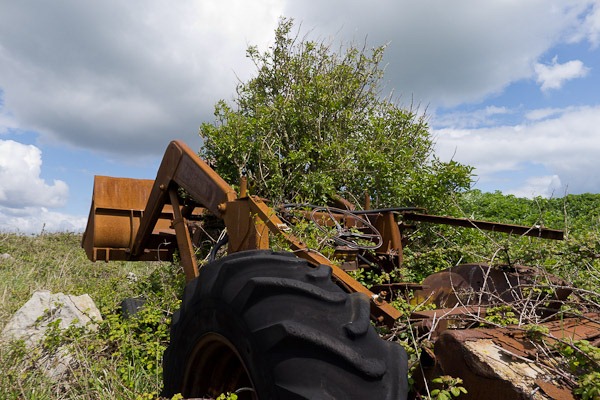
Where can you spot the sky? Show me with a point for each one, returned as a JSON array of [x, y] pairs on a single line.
[[509, 87]]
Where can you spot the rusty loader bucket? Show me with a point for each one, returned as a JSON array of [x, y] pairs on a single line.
[[118, 206]]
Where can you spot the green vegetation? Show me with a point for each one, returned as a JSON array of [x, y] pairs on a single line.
[[122, 359], [450, 388], [313, 123], [570, 212], [583, 360], [436, 247]]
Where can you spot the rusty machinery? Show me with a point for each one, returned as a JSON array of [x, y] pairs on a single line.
[[274, 325]]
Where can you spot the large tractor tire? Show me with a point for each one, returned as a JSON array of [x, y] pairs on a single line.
[[269, 326]]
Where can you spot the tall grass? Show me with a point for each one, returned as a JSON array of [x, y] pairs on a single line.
[[119, 360]]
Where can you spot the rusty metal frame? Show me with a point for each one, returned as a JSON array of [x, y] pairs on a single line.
[[248, 220], [535, 231], [384, 221], [382, 310], [181, 168]]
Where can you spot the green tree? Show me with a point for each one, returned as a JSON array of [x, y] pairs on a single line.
[[313, 123]]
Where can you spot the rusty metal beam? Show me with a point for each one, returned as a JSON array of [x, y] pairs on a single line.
[[184, 242], [245, 230], [382, 310], [535, 231], [181, 167]]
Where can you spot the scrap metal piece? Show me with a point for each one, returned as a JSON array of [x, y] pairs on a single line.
[[536, 231], [502, 363], [486, 370], [481, 284]]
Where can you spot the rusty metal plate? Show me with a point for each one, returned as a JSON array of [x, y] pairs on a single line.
[[502, 363], [481, 284]]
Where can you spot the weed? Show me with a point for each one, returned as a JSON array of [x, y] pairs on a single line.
[[122, 358], [450, 387]]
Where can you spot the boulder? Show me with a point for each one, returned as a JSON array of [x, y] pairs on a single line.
[[6, 257], [30, 324]]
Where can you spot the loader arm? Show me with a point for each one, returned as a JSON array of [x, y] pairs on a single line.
[[134, 219], [181, 168]]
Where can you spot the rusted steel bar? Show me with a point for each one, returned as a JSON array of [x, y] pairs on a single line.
[[535, 231], [382, 310], [184, 242], [181, 166]]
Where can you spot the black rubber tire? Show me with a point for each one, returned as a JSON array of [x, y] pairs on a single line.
[[271, 322]]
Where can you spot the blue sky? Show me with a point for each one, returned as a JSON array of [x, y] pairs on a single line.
[[100, 88]]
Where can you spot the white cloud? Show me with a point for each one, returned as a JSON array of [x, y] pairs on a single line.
[[470, 119], [553, 76], [590, 27], [448, 55], [566, 145], [125, 77], [543, 113], [20, 182], [544, 186], [34, 220]]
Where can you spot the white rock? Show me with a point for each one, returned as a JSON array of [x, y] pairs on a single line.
[[6, 257], [30, 324]]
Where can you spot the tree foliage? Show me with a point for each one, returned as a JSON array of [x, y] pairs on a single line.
[[313, 123]]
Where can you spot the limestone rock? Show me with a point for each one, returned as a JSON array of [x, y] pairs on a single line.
[[31, 321], [30, 324], [6, 257]]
